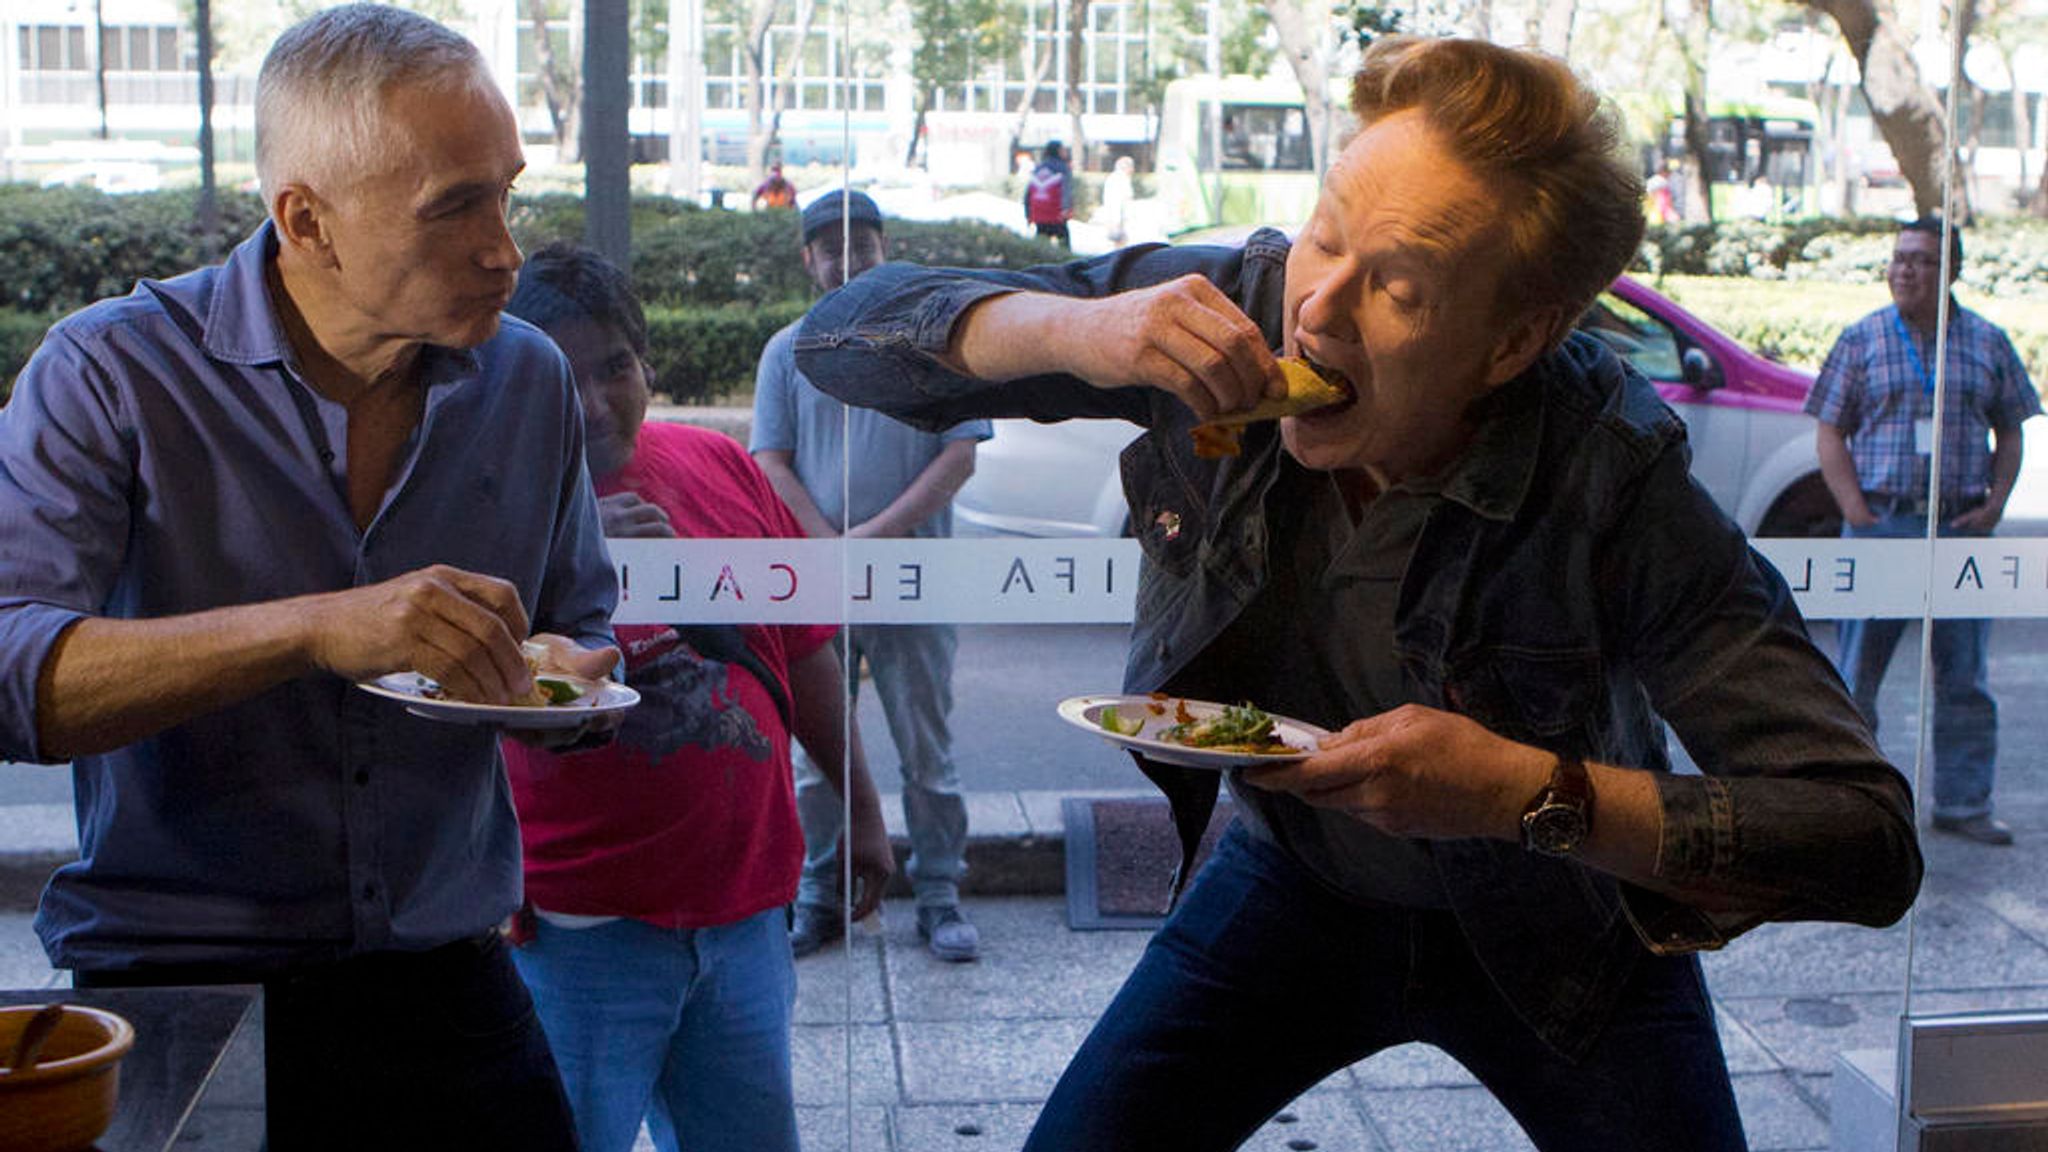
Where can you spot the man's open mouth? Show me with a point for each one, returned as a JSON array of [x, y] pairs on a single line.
[[1340, 381]]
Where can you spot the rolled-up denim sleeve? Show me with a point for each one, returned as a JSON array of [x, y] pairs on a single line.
[[1795, 815], [65, 474], [879, 342]]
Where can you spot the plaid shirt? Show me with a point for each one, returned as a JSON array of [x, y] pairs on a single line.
[[1872, 388]]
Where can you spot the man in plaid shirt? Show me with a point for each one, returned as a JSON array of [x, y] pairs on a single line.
[[1874, 402]]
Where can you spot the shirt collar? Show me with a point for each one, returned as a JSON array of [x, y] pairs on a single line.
[[242, 325], [1492, 476]]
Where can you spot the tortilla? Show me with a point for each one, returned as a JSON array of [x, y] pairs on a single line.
[[1307, 390]]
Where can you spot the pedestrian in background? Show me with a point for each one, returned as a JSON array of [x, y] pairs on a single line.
[[1874, 401], [1117, 194], [900, 482], [1049, 195], [658, 868], [775, 191]]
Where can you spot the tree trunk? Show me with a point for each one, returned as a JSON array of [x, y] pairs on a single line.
[[761, 18], [1904, 108], [785, 72], [1549, 26], [1699, 183], [924, 103], [1040, 65], [1691, 35], [564, 94], [209, 197], [1305, 58], [1077, 67], [99, 59], [1482, 19], [2022, 126]]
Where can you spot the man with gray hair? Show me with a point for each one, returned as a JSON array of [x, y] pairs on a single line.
[[229, 497]]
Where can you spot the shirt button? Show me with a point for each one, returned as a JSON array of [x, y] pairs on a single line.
[[362, 776], [369, 891]]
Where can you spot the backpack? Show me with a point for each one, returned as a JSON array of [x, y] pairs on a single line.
[[1044, 199]]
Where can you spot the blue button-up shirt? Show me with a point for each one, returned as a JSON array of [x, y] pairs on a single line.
[[162, 454], [1878, 382]]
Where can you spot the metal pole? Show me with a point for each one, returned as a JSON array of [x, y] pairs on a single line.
[[607, 93]]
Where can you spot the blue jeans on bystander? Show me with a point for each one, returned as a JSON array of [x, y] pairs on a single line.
[[1965, 724], [688, 1028]]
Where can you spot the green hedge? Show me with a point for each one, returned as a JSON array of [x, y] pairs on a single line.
[[702, 355], [1797, 321], [717, 283], [63, 248], [2005, 255], [20, 332], [684, 255]]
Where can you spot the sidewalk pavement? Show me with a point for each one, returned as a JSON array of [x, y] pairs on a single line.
[[958, 1057]]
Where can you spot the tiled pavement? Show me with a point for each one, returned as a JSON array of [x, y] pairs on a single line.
[[958, 1057]]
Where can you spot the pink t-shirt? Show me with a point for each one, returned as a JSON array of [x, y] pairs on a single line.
[[688, 819]]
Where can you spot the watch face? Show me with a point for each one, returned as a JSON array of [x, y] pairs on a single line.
[[1554, 829]]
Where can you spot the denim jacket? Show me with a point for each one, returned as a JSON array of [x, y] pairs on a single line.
[[1581, 594]]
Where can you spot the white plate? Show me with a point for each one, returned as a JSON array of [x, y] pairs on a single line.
[[411, 688], [1086, 712]]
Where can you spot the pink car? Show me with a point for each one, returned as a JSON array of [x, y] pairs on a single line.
[[1752, 446]]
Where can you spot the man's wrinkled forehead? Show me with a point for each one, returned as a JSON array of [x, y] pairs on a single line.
[[416, 118]]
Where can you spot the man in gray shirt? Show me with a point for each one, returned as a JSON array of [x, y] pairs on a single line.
[[901, 484]]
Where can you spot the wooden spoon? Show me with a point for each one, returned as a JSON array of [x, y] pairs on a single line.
[[33, 1036]]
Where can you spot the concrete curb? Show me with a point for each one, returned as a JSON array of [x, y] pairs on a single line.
[[1016, 845]]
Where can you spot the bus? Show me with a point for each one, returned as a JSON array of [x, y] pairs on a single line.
[[1760, 157], [1234, 150]]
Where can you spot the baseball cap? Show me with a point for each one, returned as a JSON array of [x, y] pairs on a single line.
[[828, 210]]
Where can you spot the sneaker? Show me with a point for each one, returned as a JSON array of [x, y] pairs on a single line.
[[812, 926], [1982, 828], [948, 933]]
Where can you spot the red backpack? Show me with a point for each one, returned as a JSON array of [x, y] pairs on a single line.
[[1043, 201]]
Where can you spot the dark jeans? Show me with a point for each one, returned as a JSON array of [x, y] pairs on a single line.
[[1261, 984], [398, 1050]]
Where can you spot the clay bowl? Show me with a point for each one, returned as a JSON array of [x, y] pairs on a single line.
[[64, 1098]]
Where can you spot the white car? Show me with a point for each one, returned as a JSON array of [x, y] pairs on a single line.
[[1752, 446]]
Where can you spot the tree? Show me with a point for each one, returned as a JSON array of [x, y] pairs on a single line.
[[99, 60], [1690, 23], [1904, 109], [561, 84], [952, 36], [2002, 28], [1549, 26], [1077, 59], [757, 20], [1303, 45]]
